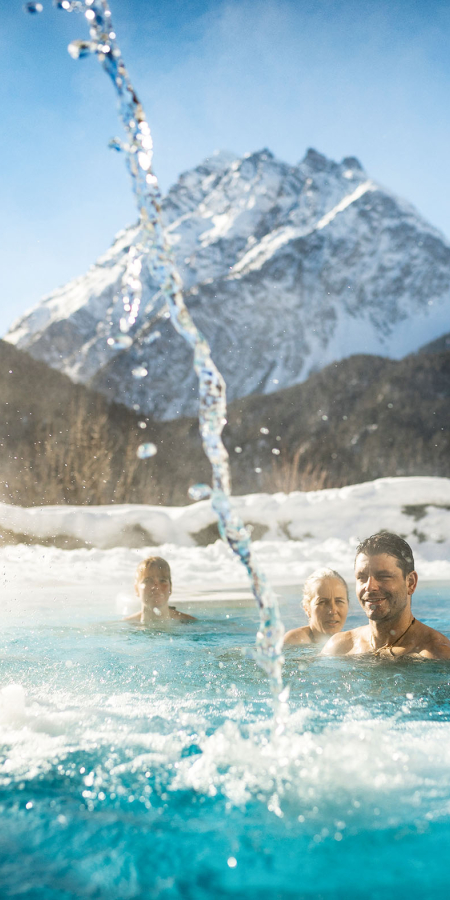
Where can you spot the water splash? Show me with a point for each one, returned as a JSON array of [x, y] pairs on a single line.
[[152, 337], [120, 341], [153, 249], [139, 372], [199, 491], [145, 451]]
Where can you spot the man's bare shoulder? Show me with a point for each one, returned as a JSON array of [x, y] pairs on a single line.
[[344, 643], [431, 644], [297, 636]]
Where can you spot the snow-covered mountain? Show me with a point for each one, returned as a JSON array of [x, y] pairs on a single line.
[[286, 268]]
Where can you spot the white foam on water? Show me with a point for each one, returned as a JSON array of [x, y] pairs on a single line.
[[361, 768]]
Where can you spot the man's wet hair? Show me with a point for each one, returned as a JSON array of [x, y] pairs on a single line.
[[393, 545]]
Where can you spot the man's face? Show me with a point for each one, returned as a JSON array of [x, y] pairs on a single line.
[[382, 589], [154, 588]]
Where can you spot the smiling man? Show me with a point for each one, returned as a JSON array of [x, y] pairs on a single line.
[[385, 582]]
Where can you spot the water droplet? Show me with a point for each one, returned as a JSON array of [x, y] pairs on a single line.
[[79, 49], [142, 424], [238, 449], [145, 451], [144, 160], [275, 381], [232, 862], [199, 491], [264, 430], [120, 341], [139, 372], [33, 7], [152, 337], [90, 14], [258, 470], [62, 4], [275, 451]]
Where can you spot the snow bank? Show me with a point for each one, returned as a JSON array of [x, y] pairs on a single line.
[[415, 507], [303, 530]]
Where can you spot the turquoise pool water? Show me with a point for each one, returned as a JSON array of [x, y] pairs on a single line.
[[139, 765]]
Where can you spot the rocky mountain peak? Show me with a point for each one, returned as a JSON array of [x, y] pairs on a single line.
[[286, 269], [315, 161]]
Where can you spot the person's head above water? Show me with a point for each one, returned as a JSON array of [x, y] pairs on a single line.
[[150, 563], [385, 582], [325, 601], [153, 584], [385, 576]]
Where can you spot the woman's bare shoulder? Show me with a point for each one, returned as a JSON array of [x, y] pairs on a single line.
[[298, 636]]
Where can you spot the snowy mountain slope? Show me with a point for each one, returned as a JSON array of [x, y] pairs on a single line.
[[286, 268]]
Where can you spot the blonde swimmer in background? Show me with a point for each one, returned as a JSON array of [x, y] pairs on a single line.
[[153, 586], [325, 601]]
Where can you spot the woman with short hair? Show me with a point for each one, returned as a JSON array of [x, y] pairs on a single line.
[[325, 601]]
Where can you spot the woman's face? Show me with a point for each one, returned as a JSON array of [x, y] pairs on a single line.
[[327, 610], [154, 588]]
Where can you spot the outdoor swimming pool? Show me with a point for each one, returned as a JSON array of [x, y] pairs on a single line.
[[142, 765]]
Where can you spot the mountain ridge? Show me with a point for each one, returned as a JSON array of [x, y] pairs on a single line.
[[286, 269]]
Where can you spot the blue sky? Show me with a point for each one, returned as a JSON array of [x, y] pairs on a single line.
[[366, 79]]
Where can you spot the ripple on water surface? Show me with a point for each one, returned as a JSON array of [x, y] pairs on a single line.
[[146, 765]]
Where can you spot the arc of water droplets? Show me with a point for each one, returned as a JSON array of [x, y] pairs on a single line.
[[153, 245]]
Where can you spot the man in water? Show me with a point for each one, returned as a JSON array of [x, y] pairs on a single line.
[[385, 582], [153, 585]]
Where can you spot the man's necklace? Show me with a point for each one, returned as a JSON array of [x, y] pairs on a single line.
[[387, 646]]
